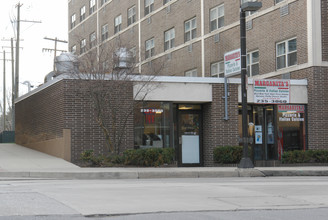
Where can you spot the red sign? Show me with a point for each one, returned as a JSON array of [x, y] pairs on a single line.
[[291, 108]]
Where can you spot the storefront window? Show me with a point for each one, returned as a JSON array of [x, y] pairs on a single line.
[[291, 127], [152, 125]]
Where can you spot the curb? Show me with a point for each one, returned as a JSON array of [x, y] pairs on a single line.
[[158, 174]]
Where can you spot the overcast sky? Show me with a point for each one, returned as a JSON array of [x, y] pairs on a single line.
[[34, 64]]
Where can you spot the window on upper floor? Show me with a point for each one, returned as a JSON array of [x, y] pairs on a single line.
[[150, 48], [190, 29], [191, 73], [286, 53], [73, 21], [248, 12], [131, 15], [217, 69], [217, 17], [149, 6], [104, 1], [104, 32], [93, 39], [92, 7], [169, 37], [166, 1], [277, 1], [82, 13], [83, 45], [73, 49], [253, 59], [117, 24]]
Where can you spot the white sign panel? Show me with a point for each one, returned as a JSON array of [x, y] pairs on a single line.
[[232, 63], [271, 91], [190, 149]]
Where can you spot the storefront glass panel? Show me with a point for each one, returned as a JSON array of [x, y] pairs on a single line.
[[291, 128], [273, 129], [152, 125]]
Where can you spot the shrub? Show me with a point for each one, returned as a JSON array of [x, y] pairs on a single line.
[[89, 157], [140, 157], [229, 154], [309, 156], [149, 157]]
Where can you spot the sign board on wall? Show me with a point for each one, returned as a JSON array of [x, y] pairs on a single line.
[[232, 63], [271, 91]]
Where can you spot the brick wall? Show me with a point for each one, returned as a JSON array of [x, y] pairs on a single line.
[[217, 131], [324, 26], [40, 117], [67, 105], [317, 106], [80, 116]]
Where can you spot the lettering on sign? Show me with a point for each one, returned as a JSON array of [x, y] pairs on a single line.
[[271, 91]]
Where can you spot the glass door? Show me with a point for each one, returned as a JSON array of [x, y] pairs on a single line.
[[189, 138]]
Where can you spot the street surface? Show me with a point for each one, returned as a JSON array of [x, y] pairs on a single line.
[[217, 198]]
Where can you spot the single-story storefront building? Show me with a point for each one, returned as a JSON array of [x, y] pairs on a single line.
[[192, 115]]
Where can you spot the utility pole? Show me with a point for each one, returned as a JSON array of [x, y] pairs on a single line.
[[18, 6], [12, 47], [12, 86], [4, 89], [55, 50]]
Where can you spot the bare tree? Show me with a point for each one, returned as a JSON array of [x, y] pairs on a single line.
[[115, 88], [8, 114]]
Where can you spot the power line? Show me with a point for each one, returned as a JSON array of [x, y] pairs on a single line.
[[55, 50]]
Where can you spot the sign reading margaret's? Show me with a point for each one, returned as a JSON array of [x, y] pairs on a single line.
[[271, 91]]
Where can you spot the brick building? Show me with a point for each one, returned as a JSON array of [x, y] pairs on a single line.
[[287, 40]]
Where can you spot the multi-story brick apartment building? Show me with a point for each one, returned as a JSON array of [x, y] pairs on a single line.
[[287, 40]]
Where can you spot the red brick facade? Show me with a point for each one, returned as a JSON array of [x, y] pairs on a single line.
[[67, 105]]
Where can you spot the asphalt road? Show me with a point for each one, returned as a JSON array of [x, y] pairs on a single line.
[[218, 198]]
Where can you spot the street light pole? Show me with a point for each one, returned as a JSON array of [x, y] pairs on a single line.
[[248, 6]]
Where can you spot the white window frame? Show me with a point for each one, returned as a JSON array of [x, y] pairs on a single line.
[[73, 21], [92, 8], [104, 32], [190, 29], [285, 54], [93, 38], [104, 1], [132, 12], [150, 48], [251, 62], [149, 6], [215, 17], [278, 1], [191, 73], [82, 13], [166, 1], [83, 44], [73, 49], [169, 37], [117, 24], [217, 69]]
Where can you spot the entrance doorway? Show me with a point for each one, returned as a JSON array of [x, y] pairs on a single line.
[[263, 119], [189, 134]]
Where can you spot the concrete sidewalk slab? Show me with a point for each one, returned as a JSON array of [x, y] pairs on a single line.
[[15, 157], [20, 162]]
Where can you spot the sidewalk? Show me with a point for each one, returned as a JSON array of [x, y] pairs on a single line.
[[21, 162]]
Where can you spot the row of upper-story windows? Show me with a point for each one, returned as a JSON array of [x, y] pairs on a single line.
[[92, 9], [216, 13], [286, 56]]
